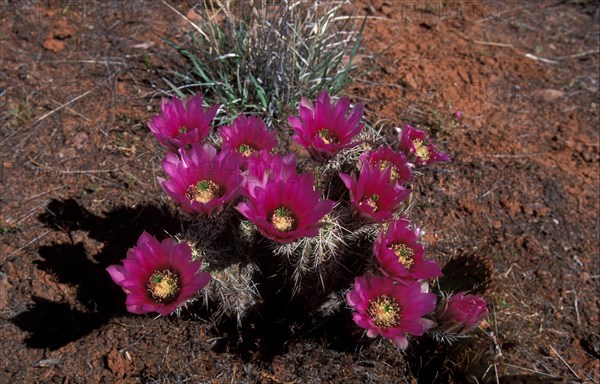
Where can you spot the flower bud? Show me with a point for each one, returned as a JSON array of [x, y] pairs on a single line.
[[461, 313], [458, 115]]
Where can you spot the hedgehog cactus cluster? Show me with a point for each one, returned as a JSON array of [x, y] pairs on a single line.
[[325, 213]]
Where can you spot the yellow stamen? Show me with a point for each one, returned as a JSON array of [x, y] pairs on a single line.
[[283, 219], [372, 201], [421, 149], [405, 254], [394, 173], [384, 311], [203, 191], [163, 286]]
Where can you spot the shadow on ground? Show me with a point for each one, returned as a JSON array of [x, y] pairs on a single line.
[[54, 324], [269, 330]]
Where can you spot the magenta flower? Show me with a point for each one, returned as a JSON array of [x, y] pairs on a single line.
[[418, 147], [401, 256], [385, 157], [385, 308], [286, 210], [458, 115], [182, 122], [263, 167], [201, 180], [158, 277], [461, 313], [372, 195], [323, 129], [247, 135]]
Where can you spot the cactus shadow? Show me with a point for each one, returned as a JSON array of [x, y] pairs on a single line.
[[270, 330], [284, 316], [53, 324]]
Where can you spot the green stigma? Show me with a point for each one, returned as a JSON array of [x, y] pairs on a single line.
[[203, 191], [404, 253], [327, 136], [164, 286], [203, 185], [245, 149], [384, 311], [282, 212]]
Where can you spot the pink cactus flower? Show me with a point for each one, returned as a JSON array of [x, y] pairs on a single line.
[[385, 157], [158, 276], [247, 135], [386, 308], [264, 166], [323, 129], [418, 147], [286, 210], [458, 115], [372, 195], [182, 122], [461, 313], [202, 181], [401, 256]]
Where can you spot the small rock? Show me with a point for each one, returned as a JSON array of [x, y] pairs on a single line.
[[4, 285], [410, 81], [144, 45], [121, 90], [591, 343], [550, 95], [464, 76], [67, 153], [46, 363], [194, 15], [117, 363], [386, 9], [54, 41], [79, 140], [51, 44], [543, 274], [541, 211], [62, 31]]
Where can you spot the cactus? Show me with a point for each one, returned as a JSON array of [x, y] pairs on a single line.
[[468, 272]]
